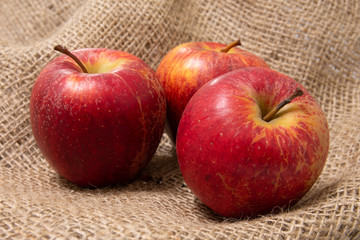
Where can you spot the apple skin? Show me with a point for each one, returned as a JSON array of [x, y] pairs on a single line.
[[236, 163], [98, 128], [187, 67]]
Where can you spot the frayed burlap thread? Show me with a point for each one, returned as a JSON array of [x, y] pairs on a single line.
[[315, 42]]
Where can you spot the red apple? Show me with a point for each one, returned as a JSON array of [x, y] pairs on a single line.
[[188, 66], [238, 159], [102, 127]]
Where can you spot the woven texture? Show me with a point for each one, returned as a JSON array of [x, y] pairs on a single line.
[[315, 42]]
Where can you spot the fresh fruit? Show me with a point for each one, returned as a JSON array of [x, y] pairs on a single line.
[[239, 159], [188, 66], [98, 124]]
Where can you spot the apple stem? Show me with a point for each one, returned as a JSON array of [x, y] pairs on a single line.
[[65, 51], [297, 92], [230, 46]]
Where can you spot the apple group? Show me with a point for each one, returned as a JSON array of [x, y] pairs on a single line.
[[248, 138]]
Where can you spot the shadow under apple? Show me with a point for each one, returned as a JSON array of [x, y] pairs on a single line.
[[161, 174]]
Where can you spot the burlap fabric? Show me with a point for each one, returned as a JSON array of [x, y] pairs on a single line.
[[315, 42]]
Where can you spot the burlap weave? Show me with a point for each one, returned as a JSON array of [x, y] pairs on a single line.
[[315, 42]]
